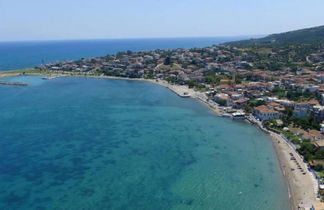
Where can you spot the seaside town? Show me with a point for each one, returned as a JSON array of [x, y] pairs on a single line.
[[199, 105], [282, 92]]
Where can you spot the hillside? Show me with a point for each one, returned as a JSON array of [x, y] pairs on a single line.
[[295, 50], [313, 35]]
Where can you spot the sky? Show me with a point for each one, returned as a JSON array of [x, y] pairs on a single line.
[[108, 19]]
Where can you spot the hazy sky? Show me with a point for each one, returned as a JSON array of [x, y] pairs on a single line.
[[86, 19]]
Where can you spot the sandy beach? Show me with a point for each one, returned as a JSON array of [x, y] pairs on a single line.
[[302, 187]]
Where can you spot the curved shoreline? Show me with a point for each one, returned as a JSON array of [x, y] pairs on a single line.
[[301, 188]]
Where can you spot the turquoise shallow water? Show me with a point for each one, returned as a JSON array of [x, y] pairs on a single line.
[[84, 143]]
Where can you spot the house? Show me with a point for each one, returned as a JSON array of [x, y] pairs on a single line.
[[319, 144], [300, 112], [309, 88], [265, 113], [223, 99], [253, 93], [303, 105], [313, 135], [320, 77], [276, 106], [302, 109], [318, 112], [285, 103], [240, 103], [235, 95]]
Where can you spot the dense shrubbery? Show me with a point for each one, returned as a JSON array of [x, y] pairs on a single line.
[[310, 152], [306, 123], [293, 95], [212, 78]]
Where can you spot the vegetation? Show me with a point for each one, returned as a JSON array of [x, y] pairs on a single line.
[[170, 67], [222, 103], [300, 96], [292, 137], [281, 93], [310, 152], [253, 103], [167, 61], [286, 50], [306, 123], [212, 78], [293, 95], [304, 36], [171, 80]]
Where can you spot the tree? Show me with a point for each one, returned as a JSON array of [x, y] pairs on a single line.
[[167, 61], [191, 83], [288, 114], [306, 122]]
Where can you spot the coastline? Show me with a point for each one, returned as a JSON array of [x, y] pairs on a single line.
[[301, 188]]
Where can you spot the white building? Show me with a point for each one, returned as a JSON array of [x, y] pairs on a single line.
[[264, 113]]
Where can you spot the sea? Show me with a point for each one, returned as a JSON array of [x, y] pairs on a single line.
[[75, 143], [27, 54]]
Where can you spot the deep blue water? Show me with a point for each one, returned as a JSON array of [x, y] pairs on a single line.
[[84, 143], [17, 55]]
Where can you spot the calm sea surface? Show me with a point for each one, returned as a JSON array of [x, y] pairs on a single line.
[[84, 143], [17, 55]]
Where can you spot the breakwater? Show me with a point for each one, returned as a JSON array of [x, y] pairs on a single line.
[[13, 83]]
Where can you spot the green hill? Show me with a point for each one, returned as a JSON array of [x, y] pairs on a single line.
[[313, 35]]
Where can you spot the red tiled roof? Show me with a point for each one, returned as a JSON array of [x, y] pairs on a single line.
[[265, 109]]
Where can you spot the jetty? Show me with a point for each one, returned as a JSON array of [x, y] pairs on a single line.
[[182, 94], [13, 83], [50, 77]]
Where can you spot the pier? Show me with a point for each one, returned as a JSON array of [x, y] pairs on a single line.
[[13, 83]]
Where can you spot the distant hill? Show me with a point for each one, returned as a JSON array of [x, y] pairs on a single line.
[[304, 36]]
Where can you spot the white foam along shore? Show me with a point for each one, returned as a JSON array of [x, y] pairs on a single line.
[[302, 188]]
